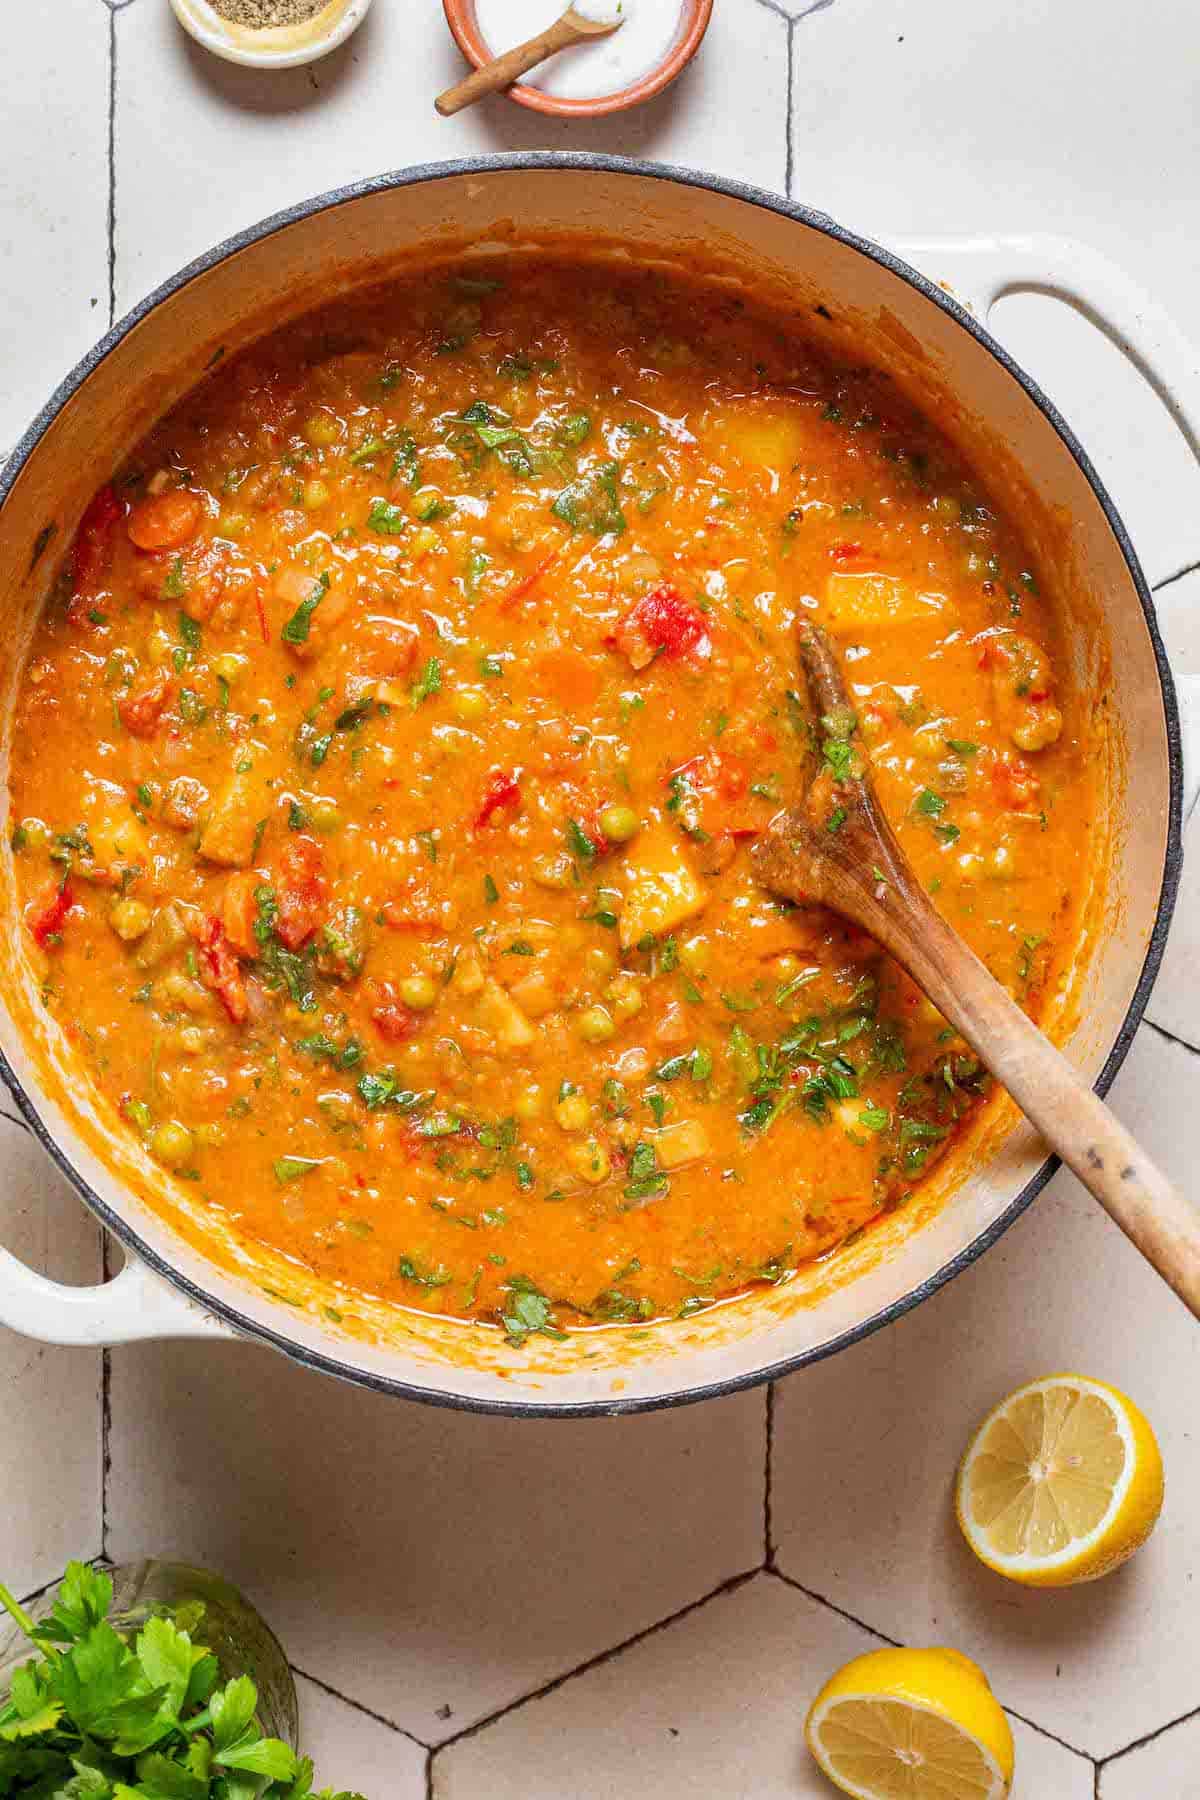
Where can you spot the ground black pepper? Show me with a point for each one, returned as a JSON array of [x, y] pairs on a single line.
[[256, 15]]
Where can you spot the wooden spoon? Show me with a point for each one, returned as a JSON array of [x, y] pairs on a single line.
[[502, 71], [837, 848]]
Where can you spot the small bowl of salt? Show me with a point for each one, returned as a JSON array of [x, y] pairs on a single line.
[[270, 34], [656, 41]]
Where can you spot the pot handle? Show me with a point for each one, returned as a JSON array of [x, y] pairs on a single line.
[[979, 271], [135, 1305]]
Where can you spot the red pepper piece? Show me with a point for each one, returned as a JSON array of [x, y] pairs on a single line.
[[845, 552], [93, 545], [503, 791], [301, 891], [48, 922], [220, 969], [661, 623], [141, 712]]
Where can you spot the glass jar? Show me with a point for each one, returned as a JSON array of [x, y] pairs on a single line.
[[210, 1610]]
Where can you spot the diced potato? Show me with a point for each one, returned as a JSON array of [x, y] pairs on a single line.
[[661, 890], [468, 976], [765, 437], [853, 601], [501, 1015], [678, 1144], [534, 995], [183, 801], [228, 837], [118, 840], [590, 1161], [167, 934]]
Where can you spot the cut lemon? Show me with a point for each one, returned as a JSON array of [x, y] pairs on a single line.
[[912, 1725], [1061, 1483]]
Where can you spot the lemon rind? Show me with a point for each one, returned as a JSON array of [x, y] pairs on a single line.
[[1079, 1553]]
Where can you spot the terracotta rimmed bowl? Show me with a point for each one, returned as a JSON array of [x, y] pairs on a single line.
[[694, 16]]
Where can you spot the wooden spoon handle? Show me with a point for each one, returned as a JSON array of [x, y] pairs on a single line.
[[1075, 1122], [502, 71]]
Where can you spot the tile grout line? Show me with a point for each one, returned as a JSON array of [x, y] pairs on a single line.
[[768, 1474], [357, 1705], [112, 166], [728, 1586], [1168, 580], [789, 166], [894, 1643], [1180, 1043], [1140, 1743]]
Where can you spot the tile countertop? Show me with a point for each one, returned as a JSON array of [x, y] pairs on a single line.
[[588, 1608]]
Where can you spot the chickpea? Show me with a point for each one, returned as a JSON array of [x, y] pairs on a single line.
[[572, 1112], [35, 834], [172, 1144], [624, 994], [1001, 864], [590, 1160], [316, 494], [619, 823], [470, 705], [1041, 726], [694, 954], [599, 960], [595, 1025], [529, 1102], [130, 919], [323, 429], [418, 992], [555, 872], [230, 666], [326, 816]]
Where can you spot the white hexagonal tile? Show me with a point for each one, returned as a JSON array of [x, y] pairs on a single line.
[[434, 1565], [243, 143], [49, 1398], [865, 1448], [1167, 1768], [895, 127], [53, 226], [712, 1704], [354, 1751]]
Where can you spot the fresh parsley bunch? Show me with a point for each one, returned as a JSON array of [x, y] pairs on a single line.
[[95, 1717]]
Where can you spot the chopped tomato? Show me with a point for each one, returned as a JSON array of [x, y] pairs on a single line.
[[845, 552], [415, 910], [301, 890], [93, 544], [993, 655], [140, 712], [391, 1018], [662, 623], [47, 923], [712, 792], [502, 794], [1016, 786], [165, 521], [219, 967]]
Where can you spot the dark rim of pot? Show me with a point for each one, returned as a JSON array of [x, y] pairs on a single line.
[[535, 162]]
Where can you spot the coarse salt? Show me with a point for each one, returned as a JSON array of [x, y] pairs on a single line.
[[588, 71]]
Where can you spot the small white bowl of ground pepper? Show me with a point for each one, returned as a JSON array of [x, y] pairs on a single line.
[[270, 34]]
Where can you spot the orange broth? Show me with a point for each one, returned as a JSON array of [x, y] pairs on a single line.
[[388, 755]]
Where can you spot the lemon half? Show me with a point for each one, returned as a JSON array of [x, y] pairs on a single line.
[[912, 1725], [1061, 1483]]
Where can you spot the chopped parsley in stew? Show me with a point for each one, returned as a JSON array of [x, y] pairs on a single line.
[[388, 758]]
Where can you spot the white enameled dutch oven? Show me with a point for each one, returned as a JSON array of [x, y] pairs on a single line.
[[861, 301]]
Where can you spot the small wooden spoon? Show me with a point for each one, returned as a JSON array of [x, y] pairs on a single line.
[[837, 848], [502, 71]]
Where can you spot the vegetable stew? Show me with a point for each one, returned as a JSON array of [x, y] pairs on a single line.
[[388, 755]]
